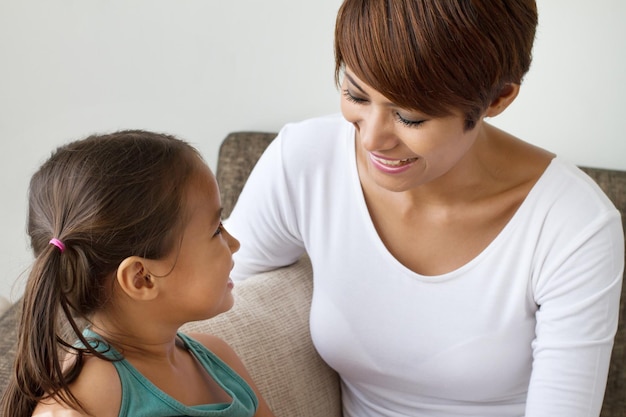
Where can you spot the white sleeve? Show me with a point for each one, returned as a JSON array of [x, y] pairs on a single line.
[[578, 295], [263, 219]]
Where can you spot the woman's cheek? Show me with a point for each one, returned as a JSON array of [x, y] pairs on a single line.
[[349, 110]]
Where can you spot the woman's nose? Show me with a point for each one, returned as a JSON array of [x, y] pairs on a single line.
[[376, 131]]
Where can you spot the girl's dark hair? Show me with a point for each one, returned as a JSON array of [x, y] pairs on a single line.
[[105, 197], [436, 56]]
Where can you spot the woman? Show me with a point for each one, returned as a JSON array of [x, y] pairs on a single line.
[[458, 270]]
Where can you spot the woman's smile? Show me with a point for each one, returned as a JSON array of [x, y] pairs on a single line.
[[391, 166]]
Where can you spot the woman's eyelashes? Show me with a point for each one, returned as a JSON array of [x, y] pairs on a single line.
[[399, 118], [408, 122], [351, 98]]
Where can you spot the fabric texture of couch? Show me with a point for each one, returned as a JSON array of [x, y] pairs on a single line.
[[268, 326]]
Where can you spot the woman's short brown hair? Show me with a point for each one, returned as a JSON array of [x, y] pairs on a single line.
[[436, 56]]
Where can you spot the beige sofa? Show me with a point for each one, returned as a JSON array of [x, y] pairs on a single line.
[[268, 326]]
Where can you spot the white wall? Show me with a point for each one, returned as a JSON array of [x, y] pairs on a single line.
[[202, 68], [572, 101]]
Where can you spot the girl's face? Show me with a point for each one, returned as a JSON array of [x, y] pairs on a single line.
[[400, 149], [199, 283]]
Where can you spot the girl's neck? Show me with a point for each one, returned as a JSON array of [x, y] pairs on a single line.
[[143, 339]]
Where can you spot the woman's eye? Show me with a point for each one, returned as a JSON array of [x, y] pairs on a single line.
[[408, 122], [352, 98]]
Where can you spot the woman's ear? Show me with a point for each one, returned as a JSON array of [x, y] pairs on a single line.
[[508, 93], [135, 280]]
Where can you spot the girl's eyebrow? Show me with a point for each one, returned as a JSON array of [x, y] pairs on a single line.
[[216, 219], [218, 215], [354, 83]]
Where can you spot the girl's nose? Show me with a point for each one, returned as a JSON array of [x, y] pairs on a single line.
[[233, 243]]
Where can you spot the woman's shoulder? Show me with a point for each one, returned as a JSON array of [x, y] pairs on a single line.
[[314, 133], [305, 146], [97, 387], [569, 186], [567, 206], [556, 180], [314, 126], [304, 149]]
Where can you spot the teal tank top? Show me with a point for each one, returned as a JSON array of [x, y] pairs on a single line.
[[141, 398]]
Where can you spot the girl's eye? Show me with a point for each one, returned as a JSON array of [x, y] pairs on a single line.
[[407, 122], [353, 99], [219, 230]]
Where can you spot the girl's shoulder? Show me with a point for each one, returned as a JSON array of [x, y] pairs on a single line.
[[61, 412], [219, 348], [97, 387], [224, 352]]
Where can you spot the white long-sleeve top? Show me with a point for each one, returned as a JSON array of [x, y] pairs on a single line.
[[524, 329]]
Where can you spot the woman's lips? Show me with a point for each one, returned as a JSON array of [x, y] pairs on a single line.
[[391, 166]]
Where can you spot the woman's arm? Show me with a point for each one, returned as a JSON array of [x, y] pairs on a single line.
[[264, 219], [578, 294]]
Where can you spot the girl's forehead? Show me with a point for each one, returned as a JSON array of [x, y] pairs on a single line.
[[203, 189], [202, 210]]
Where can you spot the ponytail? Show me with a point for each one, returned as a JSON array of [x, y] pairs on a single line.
[[48, 319]]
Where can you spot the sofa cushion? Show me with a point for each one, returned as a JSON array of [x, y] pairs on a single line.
[[269, 328]]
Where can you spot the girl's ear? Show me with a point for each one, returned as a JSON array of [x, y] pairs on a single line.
[[135, 280], [504, 99]]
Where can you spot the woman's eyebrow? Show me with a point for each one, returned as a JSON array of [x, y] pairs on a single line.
[[354, 83]]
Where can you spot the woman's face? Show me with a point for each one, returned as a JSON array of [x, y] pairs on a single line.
[[400, 149]]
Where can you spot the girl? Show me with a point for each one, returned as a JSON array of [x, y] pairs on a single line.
[[127, 237]]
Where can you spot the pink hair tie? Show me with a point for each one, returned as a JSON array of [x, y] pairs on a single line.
[[56, 242]]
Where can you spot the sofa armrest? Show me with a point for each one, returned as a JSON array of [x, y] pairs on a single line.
[[269, 329]]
